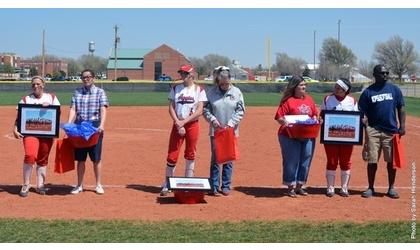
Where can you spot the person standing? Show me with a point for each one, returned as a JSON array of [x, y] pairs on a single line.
[[37, 149], [382, 102], [89, 103], [297, 153], [185, 107], [339, 153], [225, 108]]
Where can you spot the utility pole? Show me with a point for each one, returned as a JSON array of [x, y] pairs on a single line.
[[314, 50], [339, 24], [116, 41], [43, 54], [268, 57]]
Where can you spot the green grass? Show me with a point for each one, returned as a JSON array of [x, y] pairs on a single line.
[[161, 99], [19, 230]]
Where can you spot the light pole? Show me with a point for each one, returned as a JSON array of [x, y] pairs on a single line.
[[339, 24], [116, 41], [314, 51]]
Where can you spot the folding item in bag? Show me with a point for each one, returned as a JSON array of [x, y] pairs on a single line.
[[226, 145], [64, 156]]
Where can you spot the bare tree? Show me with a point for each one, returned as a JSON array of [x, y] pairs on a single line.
[[95, 63], [336, 60], [366, 68], [398, 55], [199, 65], [206, 65], [289, 66]]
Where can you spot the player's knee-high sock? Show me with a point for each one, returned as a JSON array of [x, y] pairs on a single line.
[[41, 173], [371, 171], [27, 172], [391, 174], [345, 178], [170, 170], [189, 168], [330, 180]]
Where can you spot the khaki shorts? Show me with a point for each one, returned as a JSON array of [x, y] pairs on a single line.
[[376, 142]]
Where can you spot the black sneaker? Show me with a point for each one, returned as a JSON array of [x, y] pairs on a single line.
[[291, 193], [24, 192], [392, 194], [42, 190], [302, 192]]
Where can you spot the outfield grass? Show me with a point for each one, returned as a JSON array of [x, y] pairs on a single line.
[[161, 99], [19, 230]]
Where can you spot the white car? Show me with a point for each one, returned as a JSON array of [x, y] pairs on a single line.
[[283, 78]]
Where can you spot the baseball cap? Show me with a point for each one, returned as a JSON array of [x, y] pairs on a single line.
[[186, 68]]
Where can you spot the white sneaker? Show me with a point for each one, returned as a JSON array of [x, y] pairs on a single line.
[[99, 189], [330, 191], [77, 190]]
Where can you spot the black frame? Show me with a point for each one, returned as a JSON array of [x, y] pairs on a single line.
[[188, 189], [359, 126], [53, 133]]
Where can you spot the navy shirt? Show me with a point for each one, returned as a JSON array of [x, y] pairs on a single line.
[[379, 103]]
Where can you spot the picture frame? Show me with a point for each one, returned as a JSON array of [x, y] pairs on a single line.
[[342, 127], [37, 120], [188, 183]]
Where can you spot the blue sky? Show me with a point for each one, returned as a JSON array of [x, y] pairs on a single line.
[[236, 33]]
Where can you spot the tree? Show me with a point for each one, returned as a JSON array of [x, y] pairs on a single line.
[[33, 72], [95, 63], [366, 68], [199, 65], [398, 55], [289, 66], [206, 65], [336, 60], [74, 67], [8, 68]]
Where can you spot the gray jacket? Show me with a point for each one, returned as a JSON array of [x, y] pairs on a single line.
[[228, 108]]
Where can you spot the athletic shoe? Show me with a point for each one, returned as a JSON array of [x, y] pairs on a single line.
[[225, 192], [392, 194], [24, 191], [368, 193], [42, 190], [99, 189], [77, 190], [292, 193], [214, 193], [344, 192], [302, 192], [330, 191], [165, 191]]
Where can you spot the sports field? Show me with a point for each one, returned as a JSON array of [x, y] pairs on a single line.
[[134, 154]]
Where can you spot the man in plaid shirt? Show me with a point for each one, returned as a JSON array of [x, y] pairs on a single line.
[[89, 103]]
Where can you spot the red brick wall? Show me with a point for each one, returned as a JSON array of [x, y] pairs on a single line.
[[171, 62], [132, 74]]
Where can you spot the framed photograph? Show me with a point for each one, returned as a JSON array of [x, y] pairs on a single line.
[[342, 127], [36, 120], [188, 183]]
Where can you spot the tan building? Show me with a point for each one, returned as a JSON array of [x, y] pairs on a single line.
[[9, 58], [146, 64]]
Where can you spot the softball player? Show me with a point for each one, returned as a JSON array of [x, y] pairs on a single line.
[[185, 107]]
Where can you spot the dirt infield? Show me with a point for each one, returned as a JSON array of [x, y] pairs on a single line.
[[134, 155]]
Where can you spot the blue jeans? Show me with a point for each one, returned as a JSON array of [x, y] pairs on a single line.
[[215, 171], [297, 156]]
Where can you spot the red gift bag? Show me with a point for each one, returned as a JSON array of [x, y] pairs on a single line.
[[226, 145], [64, 156], [398, 155]]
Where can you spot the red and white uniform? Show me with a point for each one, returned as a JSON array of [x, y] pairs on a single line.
[[186, 99], [339, 153], [37, 149]]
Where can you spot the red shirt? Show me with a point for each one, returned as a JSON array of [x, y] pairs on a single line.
[[296, 106]]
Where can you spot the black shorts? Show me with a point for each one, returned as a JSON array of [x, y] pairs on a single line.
[[95, 152]]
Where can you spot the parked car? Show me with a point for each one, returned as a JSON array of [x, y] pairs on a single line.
[[309, 80], [164, 78], [283, 78], [58, 78]]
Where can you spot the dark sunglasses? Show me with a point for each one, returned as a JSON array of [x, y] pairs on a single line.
[[385, 73], [86, 77], [183, 73]]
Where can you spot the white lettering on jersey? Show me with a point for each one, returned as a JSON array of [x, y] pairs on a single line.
[[381, 97]]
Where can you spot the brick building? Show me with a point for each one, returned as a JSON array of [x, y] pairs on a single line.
[[146, 64], [51, 66], [10, 59]]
